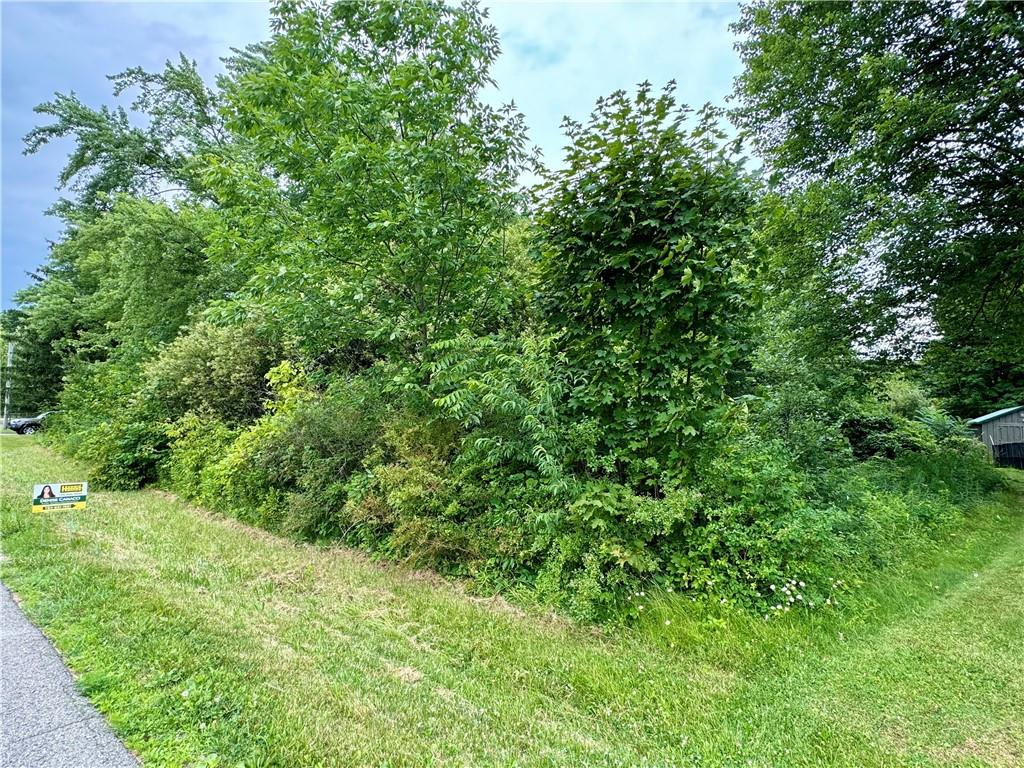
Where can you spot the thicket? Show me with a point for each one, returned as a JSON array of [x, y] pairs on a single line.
[[347, 323]]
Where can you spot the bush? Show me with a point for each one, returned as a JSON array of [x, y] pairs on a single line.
[[238, 482], [800, 403], [901, 419], [752, 524], [289, 470], [903, 397], [472, 471], [122, 454], [119, 434], [405, 504], [884, 435], [505, 393], [644, 257], [216, 370], [196, 442], [120, 416], [607, 543], [743, 526]]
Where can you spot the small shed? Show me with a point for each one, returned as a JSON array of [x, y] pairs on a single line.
[[1003, 432]]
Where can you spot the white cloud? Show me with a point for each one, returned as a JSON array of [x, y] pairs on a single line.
[[558, 58]]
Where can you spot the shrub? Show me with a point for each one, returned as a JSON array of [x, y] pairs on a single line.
[[213, 369], [289, 470], [900, 419], [884, 435], [646, 243], [754, 529], [903, 397], [104, 423], [505, 393], [238, 483], [196, 442], [123, 453], [608, 542], [798, 402], [405, 504], [745, 525]]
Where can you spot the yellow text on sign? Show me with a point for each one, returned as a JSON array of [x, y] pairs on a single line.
[[48, 507]]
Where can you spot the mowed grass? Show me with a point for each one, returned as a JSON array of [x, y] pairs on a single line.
[[209, 643]]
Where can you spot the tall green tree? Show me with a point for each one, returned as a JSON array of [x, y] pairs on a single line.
[[124, 282], [913, 110], [374, 182], [176, 124], [646, 237]]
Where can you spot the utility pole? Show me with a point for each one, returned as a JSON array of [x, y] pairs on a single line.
[[7, 383]]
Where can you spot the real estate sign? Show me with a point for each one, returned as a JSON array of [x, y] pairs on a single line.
[[59, 496]]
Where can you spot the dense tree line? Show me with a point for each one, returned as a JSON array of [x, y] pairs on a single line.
[[315, 297], [901, 123]]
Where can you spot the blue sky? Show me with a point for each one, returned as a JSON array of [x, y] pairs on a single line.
[[558, 58]]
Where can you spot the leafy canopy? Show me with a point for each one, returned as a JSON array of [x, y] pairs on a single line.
[[157, 154], [374, 182], [914, 111], [646, 238]]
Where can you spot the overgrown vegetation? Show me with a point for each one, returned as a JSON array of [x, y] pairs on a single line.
[[206, 643], [314, 298]]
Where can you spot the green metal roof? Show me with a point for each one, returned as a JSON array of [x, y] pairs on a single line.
[[996, 414]]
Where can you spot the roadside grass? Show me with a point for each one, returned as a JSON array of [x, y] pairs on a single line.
[[208, 643]]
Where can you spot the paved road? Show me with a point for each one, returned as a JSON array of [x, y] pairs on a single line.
[[44, 721]]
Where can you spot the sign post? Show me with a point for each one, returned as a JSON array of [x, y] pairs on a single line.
[[59, 496], [7, 384]]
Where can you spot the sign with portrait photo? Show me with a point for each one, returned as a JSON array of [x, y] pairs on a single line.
[[52, 496]]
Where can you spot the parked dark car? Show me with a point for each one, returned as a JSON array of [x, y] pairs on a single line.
[[30, 424]]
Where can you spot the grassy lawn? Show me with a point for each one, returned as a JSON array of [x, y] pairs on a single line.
[[209, 643]]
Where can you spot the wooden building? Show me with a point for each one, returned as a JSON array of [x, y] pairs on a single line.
[[1003, 433]]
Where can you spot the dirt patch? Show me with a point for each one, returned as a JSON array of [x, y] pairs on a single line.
[[998, 749], [408, 675]]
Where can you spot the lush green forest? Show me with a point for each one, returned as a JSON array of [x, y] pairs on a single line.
[[723, 353]]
